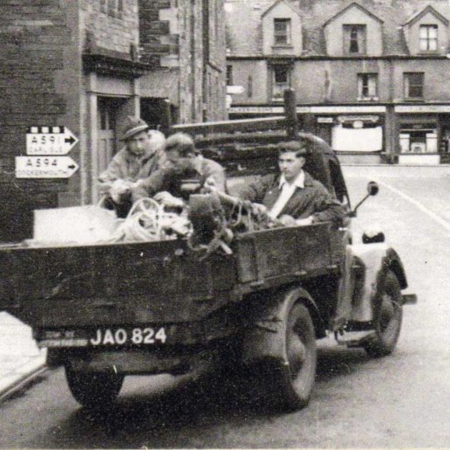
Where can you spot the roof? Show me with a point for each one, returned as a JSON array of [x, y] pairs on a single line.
[[353, 5], [276, 3], [244, 31], [429, 9]]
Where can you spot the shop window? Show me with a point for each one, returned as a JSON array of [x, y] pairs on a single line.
[[282, 32], [413, 85], [418, 138], [281, 81], [355, 39], [367, 86], [428, 38]]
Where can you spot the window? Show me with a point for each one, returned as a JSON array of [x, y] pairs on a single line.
[[113, 8], [282, 31], [428, 38], [281, 80], [229, 75], [413, 83], [367, 86], [355, 39]]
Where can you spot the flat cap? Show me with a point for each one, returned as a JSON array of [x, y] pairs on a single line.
[[133, 125]]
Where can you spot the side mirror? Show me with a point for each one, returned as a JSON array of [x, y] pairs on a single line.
[[372, 188]]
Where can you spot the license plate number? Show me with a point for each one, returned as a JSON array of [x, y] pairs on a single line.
[[123, 336]]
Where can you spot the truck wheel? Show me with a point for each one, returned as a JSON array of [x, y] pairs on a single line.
[[94, 390], [291, 383], [388, 321]]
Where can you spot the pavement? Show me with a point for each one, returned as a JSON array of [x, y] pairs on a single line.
[[20, 357]]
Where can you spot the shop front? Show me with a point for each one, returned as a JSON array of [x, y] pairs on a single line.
[[423, 134], [356, 133]]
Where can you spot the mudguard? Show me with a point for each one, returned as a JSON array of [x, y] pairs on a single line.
[[265, 338], [372, 262]]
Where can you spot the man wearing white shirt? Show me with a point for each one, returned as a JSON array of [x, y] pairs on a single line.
[[293, 196]]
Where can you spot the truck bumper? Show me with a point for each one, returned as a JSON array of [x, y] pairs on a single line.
[[137, 362], [409, 299]]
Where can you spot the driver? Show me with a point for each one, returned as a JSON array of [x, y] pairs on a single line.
[[292, 197]]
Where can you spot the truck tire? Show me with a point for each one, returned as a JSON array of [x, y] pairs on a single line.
[[291, 382], [388, 320], [94, 390]]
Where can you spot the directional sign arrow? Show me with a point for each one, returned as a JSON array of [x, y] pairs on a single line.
[[50, 141], [45, 167]]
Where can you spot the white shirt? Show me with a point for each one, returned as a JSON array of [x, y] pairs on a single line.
[[287, 191]]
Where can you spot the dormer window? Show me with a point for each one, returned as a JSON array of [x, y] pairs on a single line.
[[355, 39], [282, 31], [428, 38]]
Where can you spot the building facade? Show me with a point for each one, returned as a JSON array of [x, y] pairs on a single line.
[[370, 75], [85, 65]]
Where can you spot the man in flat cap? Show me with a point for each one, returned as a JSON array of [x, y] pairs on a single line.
[[292, 197], [186, 172], [142, 155]]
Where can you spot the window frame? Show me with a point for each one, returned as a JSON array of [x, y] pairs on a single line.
[[365, 79], [407, 87], [280, 85], [287, 32], [113, 8], [427, 39], [361, 39]]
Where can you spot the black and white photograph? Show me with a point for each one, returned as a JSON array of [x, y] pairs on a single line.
[[225, 224]]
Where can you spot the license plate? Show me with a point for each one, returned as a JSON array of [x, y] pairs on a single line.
[[121, 336]]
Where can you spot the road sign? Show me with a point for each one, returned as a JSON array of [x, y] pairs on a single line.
[[45, 167], [235, 90], [50, 141]]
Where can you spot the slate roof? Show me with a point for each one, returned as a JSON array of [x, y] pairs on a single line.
[[244, 33]]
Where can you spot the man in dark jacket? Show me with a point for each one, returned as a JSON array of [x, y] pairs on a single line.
[[293, 196], [186, 172]]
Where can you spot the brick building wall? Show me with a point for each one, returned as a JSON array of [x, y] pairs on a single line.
[[109, 28], [181, 37], [33, 37]]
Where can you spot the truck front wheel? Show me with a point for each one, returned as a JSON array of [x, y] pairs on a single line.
[[291, 382], [94, 390], [388, 320]]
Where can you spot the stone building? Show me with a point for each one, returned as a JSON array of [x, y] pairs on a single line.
[[371, 76], [85, 65]]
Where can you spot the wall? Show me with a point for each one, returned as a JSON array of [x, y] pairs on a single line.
[[258, 70], [36, 38], [101, 30]]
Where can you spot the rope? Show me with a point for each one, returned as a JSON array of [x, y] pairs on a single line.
[[147, 221]]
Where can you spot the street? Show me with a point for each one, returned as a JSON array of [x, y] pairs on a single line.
[[402, 400]]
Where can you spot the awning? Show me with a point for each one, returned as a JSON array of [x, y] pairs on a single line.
[[160, 84]]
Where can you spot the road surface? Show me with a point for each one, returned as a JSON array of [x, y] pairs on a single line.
[[399, 401]]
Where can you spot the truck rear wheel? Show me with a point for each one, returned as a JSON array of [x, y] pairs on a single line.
[[94, 390], [291, 382], [388, 320]]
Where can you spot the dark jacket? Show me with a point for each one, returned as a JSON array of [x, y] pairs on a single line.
[[172, 180], [313, 200]]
